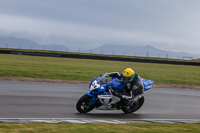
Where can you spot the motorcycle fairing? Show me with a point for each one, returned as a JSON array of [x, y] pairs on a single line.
[[147, 84], [118, 86]]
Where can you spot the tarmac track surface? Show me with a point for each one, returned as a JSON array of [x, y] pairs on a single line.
[[39, 100]]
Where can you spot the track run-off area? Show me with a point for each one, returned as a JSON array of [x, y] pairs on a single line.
[[56, 102]]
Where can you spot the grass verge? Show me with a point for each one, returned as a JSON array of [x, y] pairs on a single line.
[[86, 69], [99, 128]]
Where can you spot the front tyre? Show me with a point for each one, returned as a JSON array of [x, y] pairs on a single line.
[[82, 104], [136, 105]]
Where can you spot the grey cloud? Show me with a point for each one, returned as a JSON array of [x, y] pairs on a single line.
[[94, 23]]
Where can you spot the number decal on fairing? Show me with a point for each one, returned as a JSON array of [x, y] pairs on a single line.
[[94, 85]]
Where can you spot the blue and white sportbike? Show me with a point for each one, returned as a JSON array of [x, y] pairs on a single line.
[[100, 96]]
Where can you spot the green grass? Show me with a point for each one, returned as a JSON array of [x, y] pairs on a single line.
[[86, 69], [99, 128]]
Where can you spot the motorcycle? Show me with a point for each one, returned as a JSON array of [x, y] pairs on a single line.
[[100, 95]]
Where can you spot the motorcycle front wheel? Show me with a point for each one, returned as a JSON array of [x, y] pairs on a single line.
[[82, 104], [136, 105]]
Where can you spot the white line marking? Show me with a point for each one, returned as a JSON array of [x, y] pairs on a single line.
[[90, 120]]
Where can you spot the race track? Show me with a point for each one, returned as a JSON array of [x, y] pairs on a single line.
[[57, 100]]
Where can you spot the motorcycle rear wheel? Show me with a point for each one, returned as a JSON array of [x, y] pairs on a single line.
[[82, 104], [137, 105]]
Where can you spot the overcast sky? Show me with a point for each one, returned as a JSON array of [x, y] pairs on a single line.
[[166, 24]]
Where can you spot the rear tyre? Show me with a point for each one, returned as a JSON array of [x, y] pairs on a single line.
[[82, 104], [136, 105]]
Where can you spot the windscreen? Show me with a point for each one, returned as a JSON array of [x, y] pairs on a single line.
[[104, 79]]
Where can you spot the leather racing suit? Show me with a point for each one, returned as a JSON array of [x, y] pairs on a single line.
[[134, 88]]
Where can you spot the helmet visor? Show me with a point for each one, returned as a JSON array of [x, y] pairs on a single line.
[[127, 78]]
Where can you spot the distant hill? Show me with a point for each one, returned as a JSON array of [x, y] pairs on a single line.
[[12, 42], [145, 51], [109, 49]]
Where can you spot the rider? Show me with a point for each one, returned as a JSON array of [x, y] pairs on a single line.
[[133, 85]]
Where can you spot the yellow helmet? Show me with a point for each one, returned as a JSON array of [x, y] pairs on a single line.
[[128, 75]]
